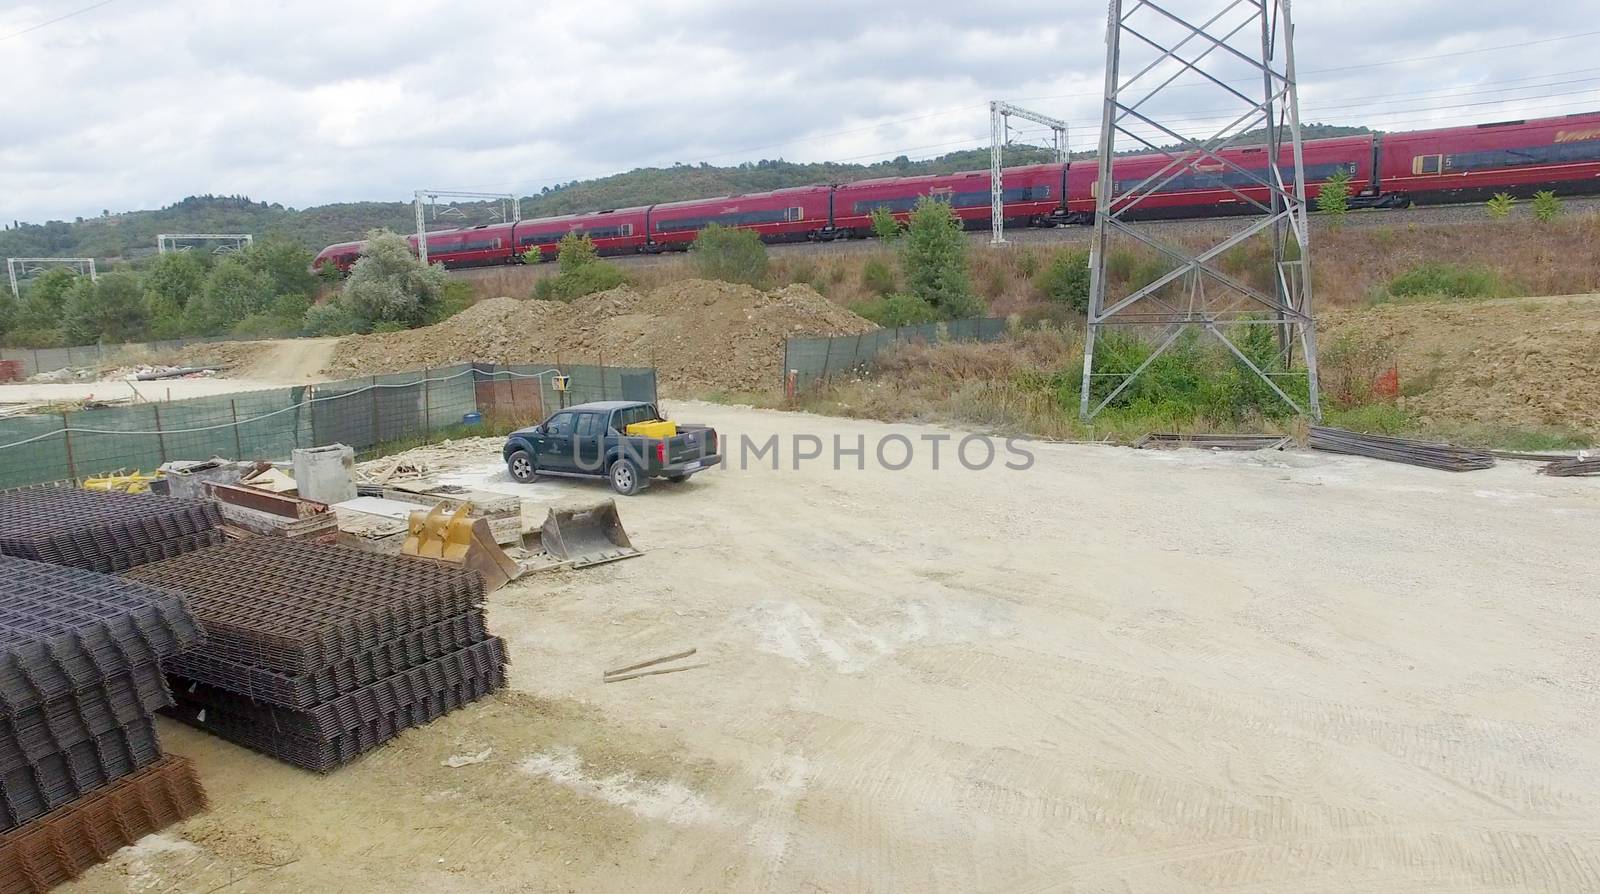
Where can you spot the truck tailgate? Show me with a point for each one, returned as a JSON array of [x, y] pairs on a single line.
[[691, 443]]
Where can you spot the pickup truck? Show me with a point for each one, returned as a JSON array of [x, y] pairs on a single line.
[[591, 441]]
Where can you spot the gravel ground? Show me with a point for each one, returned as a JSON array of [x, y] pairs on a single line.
[[1117, 671]]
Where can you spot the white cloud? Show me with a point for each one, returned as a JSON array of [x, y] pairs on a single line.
[[135, 105]]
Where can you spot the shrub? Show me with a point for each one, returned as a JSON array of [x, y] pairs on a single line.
[[457, 297], [878, 276], [176, 278], [1439, 280], [896, 310], [729, 254], [884, 224], [333, 318], [1545, 205], [1066, 279], [934, 258], [1334, 197], [1351, 363], [231, 292], [1499, 205], [581, 272], [576, 250], [388, 284], [44, 299]]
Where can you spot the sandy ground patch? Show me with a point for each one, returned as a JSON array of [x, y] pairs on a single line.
[[1116, 671]]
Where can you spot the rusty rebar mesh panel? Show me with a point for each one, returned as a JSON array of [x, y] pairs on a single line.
[[59, 847], [64, 629], [102, 531], [297, 607], [307, 690], [303, 747]]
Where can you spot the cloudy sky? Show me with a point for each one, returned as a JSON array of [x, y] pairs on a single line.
[[137, 103]]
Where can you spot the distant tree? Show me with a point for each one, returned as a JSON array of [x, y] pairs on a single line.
[[885, 225], [109, 310], [45, 298], [288, 265], [1499, 205], [8, 313], [1545, 205], [1334, 197], [934, 259], [176, 277], [232, 291], [729, 254]]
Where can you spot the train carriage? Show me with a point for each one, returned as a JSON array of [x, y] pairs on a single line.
[[1210, 186], [1032, 193], [615, 232], [784, 215], [1517, 157], [472, 247]]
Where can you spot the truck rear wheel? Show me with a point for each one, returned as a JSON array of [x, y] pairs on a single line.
[[625, 477]]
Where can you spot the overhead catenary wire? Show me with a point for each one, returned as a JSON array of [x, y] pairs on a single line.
[[292, 407]]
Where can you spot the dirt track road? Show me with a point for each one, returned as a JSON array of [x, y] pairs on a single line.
[[292, 361], [1118, 671]]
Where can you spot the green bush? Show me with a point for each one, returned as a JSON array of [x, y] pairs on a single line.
[[232, 291], [1333, 199], [110, 309], [333, 318], [896, 310], [387, 284], [1499, 205], [1066, 279], [581, 272], [45, 298], [585, 280], [1545, 205], [1196, 378], [934, 258], [877, 275], [729, 254], [884, 224], [1439, 280]]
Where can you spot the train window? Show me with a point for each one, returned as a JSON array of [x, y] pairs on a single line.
[[626, 229], [1426, 164], [797, 214]]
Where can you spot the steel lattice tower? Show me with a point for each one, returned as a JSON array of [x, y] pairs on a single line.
[[1240, 56]]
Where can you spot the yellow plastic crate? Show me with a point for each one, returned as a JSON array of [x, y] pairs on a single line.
[[659, 428]]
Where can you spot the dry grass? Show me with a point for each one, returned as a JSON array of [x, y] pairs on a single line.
[[1351, 266]]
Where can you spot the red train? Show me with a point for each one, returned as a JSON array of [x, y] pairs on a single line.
[[1388, 170]]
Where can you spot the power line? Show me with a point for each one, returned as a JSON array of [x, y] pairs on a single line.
[[75, 12]]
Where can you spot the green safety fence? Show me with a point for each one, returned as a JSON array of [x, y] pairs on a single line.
[[37, 360], [362, 413], [808, 361]]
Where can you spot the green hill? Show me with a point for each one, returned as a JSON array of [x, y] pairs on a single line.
[[132, 234]]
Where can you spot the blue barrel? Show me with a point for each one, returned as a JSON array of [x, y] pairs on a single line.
[[472, 419]]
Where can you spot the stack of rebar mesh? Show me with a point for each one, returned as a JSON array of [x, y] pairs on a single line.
[[103, 531], [81, 770], [317, 653]]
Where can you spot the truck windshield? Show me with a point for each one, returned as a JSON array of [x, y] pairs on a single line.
[[631, 415]]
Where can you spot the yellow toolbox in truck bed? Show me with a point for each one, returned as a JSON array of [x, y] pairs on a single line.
[[658, 428]]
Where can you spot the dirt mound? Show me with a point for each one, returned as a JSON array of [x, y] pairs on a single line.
[[699, 334], [1516, 361]]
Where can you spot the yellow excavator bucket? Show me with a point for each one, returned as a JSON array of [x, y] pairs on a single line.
[[459, 539]]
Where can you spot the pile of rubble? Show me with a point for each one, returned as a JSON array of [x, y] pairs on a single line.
[[699, 334]]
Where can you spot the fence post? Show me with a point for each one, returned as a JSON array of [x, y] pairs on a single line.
[[602, 376], [427, 398], [66, 434], [238, 443], [377, 431], [827, 359], [855, 355], [161, 439]]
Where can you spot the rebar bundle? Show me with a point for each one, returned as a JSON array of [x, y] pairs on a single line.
[[316, 653], [1569, 468], [79, 680], [1160, 440], [58, 847], [1400, 450], [103, 531]]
